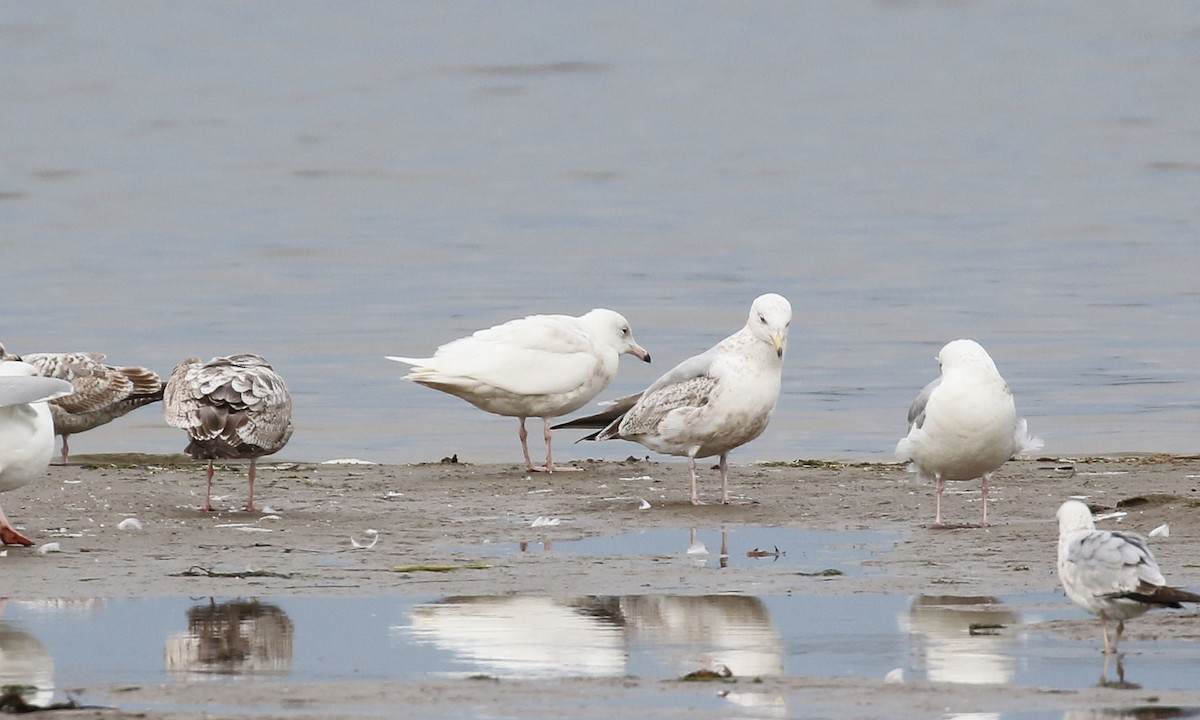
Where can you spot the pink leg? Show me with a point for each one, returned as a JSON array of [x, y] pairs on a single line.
[[692, 471], [939, 484], [65, 450], [985, 499], [550, 466], [250, 497], [724, 465], [525, 447], [208, 489]]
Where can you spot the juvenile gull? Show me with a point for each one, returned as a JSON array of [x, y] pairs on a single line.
[[26, 430], [964, 424], [1111, 574], [230, 407], [539, 366], [711, 403], [102, 394]]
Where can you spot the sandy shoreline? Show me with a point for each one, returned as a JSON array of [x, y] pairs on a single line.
[[442, 514]]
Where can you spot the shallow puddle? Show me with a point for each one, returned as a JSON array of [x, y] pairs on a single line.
[[65, 644], [808, 551]]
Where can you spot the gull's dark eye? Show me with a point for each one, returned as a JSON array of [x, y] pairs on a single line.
[[762, 319], [625, 331]]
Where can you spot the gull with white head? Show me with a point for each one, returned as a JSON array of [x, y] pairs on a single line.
[[541, 366], [1111, 574], [964, 424], [710, 403]]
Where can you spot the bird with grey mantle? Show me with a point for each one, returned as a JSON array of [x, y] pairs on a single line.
[[1110, 573], [710, 403]]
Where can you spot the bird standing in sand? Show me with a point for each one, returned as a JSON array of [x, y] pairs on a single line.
[[230, 407], [1111, 574], [102, 394], [711, 403], [26, 430], [541, 366], [964, 424]]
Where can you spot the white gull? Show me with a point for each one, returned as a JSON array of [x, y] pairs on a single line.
[[541, 366], [26, 430], [964, 424]]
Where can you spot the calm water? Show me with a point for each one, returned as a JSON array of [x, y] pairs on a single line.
[[52, 645], [329, 184]]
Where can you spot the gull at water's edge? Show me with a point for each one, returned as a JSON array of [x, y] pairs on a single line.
[[542, 366], [964, 424], [710, 403]]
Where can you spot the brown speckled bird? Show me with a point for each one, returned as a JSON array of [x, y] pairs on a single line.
[[102, 394], [230, 407]]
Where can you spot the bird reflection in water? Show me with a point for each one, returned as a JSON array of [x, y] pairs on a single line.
[[232, 638], [961, 639], [25, 663]]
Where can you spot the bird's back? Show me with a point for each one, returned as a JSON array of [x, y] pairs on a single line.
[[231, 407]]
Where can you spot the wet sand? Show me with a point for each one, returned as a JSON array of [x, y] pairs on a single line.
[[437, 515]]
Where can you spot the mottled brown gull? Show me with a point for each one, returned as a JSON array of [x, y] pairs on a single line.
[[964, 424], [26, 430], [1111, 574], [542, 366], [711, 403], [102, 394], [230, 407]]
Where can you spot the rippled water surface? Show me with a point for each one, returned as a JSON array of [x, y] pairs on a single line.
[[331, 184]]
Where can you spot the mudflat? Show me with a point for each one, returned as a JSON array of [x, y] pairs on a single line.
[[425, 525]]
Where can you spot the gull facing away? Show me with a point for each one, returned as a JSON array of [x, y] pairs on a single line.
[[1109, 573], [711, 403], [964, 424], [102, 394], [541, 366], [230, 407], [26, 430]]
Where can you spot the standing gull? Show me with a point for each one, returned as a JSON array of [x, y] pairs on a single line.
[[26, 430], [539, 366], [231, 407], [711, 403], [964, 424], [1111, 574], [102, 394]]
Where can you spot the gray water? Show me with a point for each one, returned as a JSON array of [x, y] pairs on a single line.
[[326, 184]]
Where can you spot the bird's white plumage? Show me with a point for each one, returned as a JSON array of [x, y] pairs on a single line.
[[26, 429], [716, 401], [540, 366], [964, 424]]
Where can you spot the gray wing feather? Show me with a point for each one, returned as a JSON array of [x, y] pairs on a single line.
[[916, 412], [1114, 563]]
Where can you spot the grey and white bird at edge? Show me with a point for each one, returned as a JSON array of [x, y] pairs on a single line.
[[26, 430], [1110, 573], [230, 407], [710, 403], [540, 366], [964, 424]]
